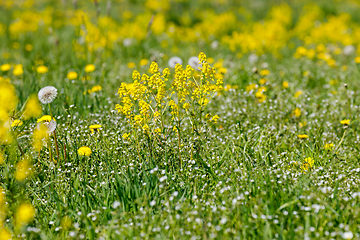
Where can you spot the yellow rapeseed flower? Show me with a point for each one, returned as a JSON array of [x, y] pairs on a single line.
[[95, 128], [17, 123], [5, 67], [302, 136], [89, 68], [345, 122], [72, 75], [84, 151], [42, 69]]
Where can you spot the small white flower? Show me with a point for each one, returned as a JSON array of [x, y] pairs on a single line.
[[194, 62], [173, 61], [127, 42], [116, 204], [347, 235], [348, 50], [47, 94]]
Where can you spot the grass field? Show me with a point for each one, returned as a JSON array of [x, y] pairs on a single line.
[[176, 119]]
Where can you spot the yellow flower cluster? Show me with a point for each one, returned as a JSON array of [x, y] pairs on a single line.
[[145, 101]]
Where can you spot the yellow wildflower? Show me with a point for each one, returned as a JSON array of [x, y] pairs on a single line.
[[39, 135], [24, 214], [84, 151], [72, 75], [143, 62], [29, 47], [307, 164], [126, 135], [23, 169], [285, 84], [345, 122], [264, 72], [131, 65], [95, 128], [89, 68], [45, 118], [357, 59], [18, 70], [297, 112], [32, 107], [328, 146], [5, 234], [262, 81], [5, 67], [42, 69], [214, 119], [302, 136], [298, 93], [17, 123]]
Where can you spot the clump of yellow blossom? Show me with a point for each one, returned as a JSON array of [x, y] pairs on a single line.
[[17, 123], [42, 69], [24, 214], [357, 59], [5, 234], [131, 65], [89, 68], [298, 93], [96, 88], [72, 75], [285, 84], [297, 112], [302, 136], [307, 164], [143, 62], [84, 151], [264, 72], [95, 128], [328, 146], [18, 70], [45, 118], [32, 107]]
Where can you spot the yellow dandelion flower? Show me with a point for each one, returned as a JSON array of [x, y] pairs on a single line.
[[285, 84], [72, 75], [131, 65], [5, 67], [307, 164], [302, 136], [23, 169], [89, 68], [24, 214], [29, 47], [84, 151], [45, 118], [357, 59], [264, 72], [95, 128], [18, 70], [143, 62], [298, 93], [345, 122], [5, 234], [42, 69], [262, 81]]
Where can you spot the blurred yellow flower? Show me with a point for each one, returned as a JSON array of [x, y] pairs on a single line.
[[32, 107], [42, 69], [24, 214], [131, 65], [94, 89], [144, 62], [345, 122], [29, 47], [5, 234], [84, 151], [302, 136], [89, 68], [357, 59], [328, 146], [95, 128], [264, 72], [297, 112], [23, 169], [126, 135], [307, 164], [298, 93], [262, 81], [17, 123], [5, 67], [45, 118], [40, 135], [72, 75], [285, 84], [18, 70]]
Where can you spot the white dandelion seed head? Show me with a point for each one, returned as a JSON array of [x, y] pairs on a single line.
[[194, 62], [127, 42], [173, 61], [215, 44], [50, 126], [47, 94], [349, 50], [347, 235], [253, 58]]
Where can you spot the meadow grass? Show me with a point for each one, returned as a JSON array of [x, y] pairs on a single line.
[[258, 141]]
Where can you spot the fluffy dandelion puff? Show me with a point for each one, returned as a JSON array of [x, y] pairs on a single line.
[[253, 58], [349, 50], [173, 61], [47, 94], [194, 62]]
